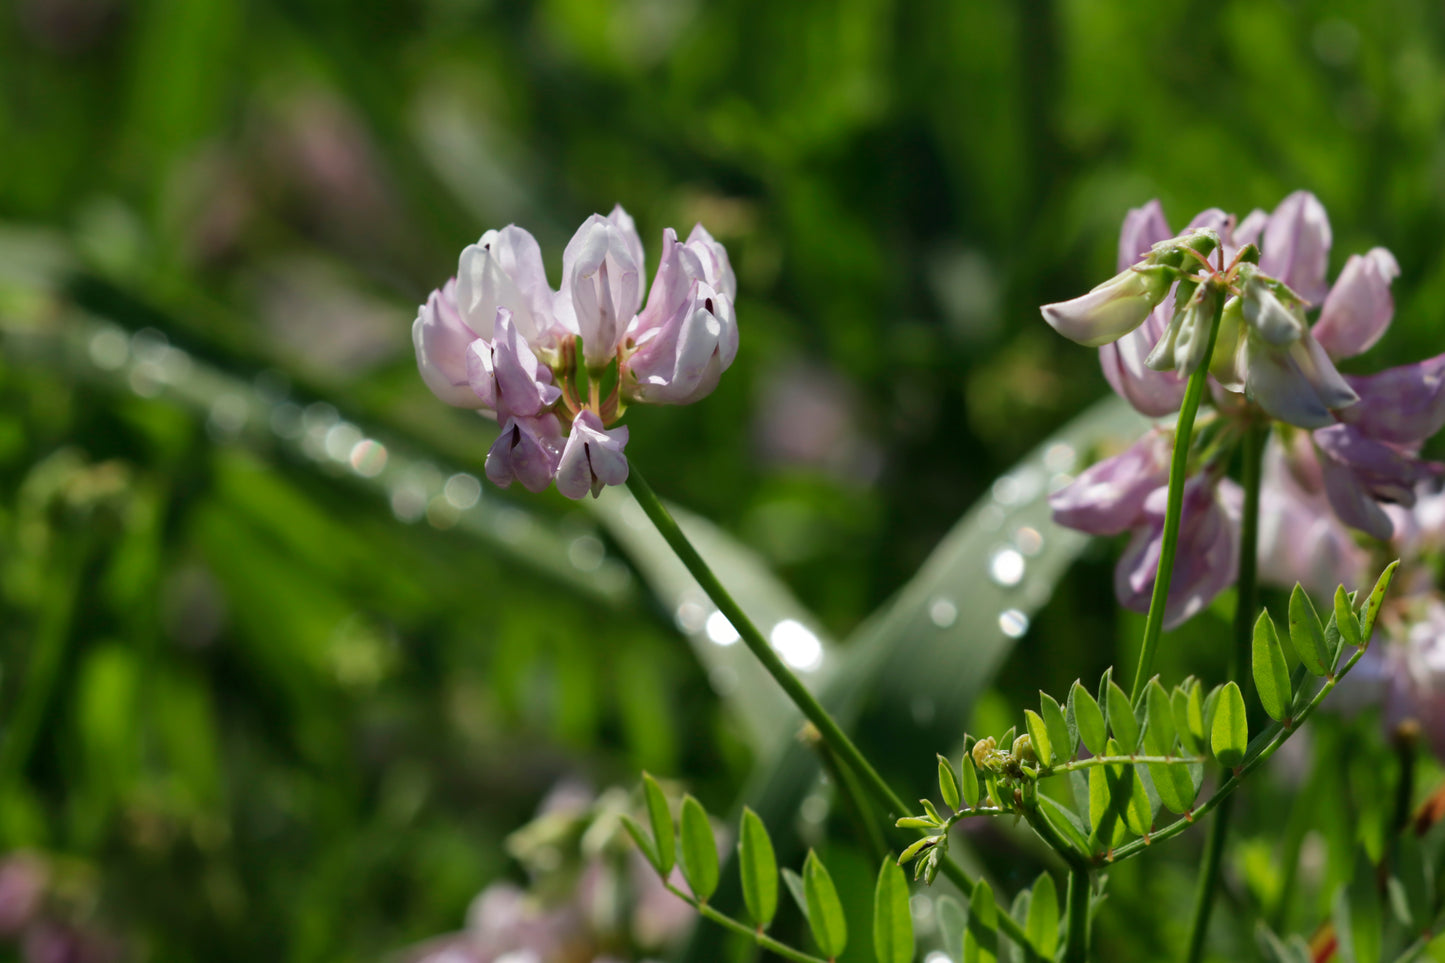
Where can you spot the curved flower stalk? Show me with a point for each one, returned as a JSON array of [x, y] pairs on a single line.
[[557, 369]]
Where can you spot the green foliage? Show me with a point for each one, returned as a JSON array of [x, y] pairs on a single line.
[[699, 850], [1087, 718], [1042, 923], [660, 817], [1307, 634], [980, 938], [892, 919], [825, 912], [759, 869], [947, 782], [1229, 734], [1271, 674]]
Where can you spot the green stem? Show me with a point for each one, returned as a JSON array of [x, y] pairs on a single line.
[[1247, 601], [1178, 468], [1208, 880], [1076, 936], [837, 740], [742, 929]]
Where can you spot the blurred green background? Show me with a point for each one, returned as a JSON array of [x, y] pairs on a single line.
[[247, 709]]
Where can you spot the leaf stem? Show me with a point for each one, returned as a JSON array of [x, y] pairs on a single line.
[[742, 929], [1246, 605], [1178, 470], [831, 733]]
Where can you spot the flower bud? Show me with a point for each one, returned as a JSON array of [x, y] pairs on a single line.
[[1112, 309], [1023, 749], [983, 753], [1183, 346]]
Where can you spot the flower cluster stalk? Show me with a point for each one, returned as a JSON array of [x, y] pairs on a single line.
[[1178, 467], [1246, 606]]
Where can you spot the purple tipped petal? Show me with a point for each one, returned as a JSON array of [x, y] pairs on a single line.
[[441, 339], [1207, 558], [681, 361], [592, 458], [523, 385], [1143, 228], [527, 451], [1108, 498], [1297, 245], [1402, 406], [1359, 306], [504, 269]]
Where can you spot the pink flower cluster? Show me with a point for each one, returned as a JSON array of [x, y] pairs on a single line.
[[558, 368], [1345, 446]]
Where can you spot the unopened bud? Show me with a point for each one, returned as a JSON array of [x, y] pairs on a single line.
[[1023, 749], [1184, 343], [983, 752]]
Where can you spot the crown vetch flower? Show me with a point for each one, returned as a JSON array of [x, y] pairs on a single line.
[[527, 450], [1207, 556], [687, 335], [1107, 498], [441, 339], [558, 368], [1112, 309], [592, 457]]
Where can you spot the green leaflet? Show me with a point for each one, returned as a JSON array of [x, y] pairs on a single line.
[[1063, 738], [892, 920], [1229, 735], [661, 818], [1271, 673], [825, 912], [758, 868], [699, 850], [1042, 923], [1307, 633]]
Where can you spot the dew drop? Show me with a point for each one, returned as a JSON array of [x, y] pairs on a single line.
[[463, 490], [797, 644], [1006, 567], [720, 630], [586, 553], [690, 617], [368, 458], [1013, 623], [942, 612], [1028, 540]]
